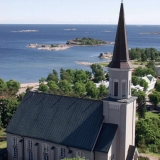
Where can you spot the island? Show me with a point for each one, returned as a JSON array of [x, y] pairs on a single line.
[[149, 33], [87, 41], [107, 55], [74, 42]]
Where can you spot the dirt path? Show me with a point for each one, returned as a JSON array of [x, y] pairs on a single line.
[[150, 157]]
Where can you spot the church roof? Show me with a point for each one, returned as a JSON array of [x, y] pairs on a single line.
[[120, 54], [106, 137], [68, 121]]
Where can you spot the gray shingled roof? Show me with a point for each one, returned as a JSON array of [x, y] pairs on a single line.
[[120, 54], [69, 121], [106, 137]]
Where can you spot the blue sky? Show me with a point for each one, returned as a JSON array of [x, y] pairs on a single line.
[[78, 11]]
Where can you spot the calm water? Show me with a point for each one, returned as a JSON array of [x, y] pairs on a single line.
[[28, 65]]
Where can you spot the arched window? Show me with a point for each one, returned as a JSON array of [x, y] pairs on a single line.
[[15, 147], [30, 149], [45, 150]]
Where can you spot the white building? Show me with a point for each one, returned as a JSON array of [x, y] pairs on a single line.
[[51, 127]]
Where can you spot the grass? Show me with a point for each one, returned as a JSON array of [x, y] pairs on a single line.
[[2, 133], [152, 114], [3, 144], [103, 64], [135, 62]]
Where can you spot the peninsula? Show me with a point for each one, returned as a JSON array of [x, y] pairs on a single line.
[[74, 42]]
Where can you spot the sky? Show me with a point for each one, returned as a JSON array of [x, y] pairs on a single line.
[[78, 11]]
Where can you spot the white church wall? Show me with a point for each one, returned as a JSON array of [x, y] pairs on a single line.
[[101, 156], [38, 150]]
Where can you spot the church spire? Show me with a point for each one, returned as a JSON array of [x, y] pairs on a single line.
[[120, 58]]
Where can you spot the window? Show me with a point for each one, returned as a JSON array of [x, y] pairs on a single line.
[[115, 88], [123, 89], [45, 150], [30, 149], [80, 154], [15, 147], [63, 152]]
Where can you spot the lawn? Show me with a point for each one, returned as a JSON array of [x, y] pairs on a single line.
[[152, 114]]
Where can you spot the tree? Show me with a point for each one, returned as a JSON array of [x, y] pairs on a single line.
[[157, 86], [43, 87], [103, 92], [144, 84], [80, 76], [135, 80], [155, 97], [7, 109], [151, 64], [3, 86], [143, 57], [79, 88], [52, 86], [139, 71], [67, 75], [98, 73], [141, 101], [13, 87], [42, 80], [92, 90], [65, 86], [52, 77]]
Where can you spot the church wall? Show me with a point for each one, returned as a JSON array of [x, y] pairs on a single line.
[[37, 150], [101, 156], [122, 114]]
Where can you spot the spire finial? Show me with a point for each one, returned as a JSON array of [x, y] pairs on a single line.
[[122, 1]]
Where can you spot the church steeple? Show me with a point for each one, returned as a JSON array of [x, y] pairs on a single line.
[[120, 58]]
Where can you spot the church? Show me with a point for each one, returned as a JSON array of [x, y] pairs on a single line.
[[53, 127]]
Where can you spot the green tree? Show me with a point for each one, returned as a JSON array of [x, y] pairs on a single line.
[[43, 87], [140, 72], [92, 90], [103, 92], [135, 80], [13, 87], [52, 86], [42, 80], [79, 88], [98, 73], [3, 86], [155, 97], [141, 100], [67, 75], [52, 77], [65, 86], [157, 86], [143, 57], [7, 109], [151, 64], [144, 84], [81, 76]]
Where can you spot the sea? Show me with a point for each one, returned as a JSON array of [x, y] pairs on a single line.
[[27, 65]]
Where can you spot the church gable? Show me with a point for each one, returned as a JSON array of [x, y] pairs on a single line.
[[68, 121]]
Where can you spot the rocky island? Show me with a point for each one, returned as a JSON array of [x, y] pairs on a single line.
[[75, 42], [107, 55], [87, 42]]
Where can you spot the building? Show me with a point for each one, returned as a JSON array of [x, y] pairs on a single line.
[[51, 127], [150, 80]]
